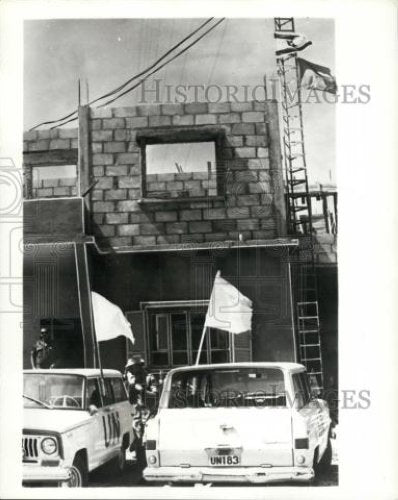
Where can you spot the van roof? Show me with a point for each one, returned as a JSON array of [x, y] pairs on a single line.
[[287, 366], [85, 372]]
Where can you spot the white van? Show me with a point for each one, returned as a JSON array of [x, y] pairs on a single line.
[[71, 426], [246, 422]]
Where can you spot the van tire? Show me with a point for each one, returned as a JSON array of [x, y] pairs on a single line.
[[79, 471]]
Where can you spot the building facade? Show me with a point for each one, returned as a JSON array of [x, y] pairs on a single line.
[[144, 205]]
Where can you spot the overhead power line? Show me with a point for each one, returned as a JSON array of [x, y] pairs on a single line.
[[162, 65], [121, 87], [130, 80], [151, 73]]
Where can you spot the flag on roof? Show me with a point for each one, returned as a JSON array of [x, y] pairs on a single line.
[[109, 320], [314, 76], [290, 42], [228, 309]]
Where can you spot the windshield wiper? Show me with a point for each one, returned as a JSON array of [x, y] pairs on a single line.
[[37, 401]]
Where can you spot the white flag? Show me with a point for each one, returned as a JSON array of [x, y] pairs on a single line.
[[109, 320], [228, 309]]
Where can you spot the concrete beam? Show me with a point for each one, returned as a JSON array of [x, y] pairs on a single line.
[[84, 151], [275, 161]]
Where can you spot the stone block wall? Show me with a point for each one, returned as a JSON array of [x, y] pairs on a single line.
[[243, 199], [50, 140], [189, 207], [51, 149], [54, 188], [186, 184]]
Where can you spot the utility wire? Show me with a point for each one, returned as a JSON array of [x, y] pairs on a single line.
[[60, 124], [220, 43], [121, 87], [148, 75], [162, 65]]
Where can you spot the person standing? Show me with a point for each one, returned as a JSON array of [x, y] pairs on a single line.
[[42, 353], [136, 377]]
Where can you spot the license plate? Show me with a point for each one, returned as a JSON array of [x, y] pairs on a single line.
[[224, 460]]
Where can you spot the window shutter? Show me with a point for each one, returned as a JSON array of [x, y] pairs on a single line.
[[242, 344], [46, 293], [136, 319]]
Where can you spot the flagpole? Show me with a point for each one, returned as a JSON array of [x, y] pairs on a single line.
[[201, 344], [202, 338], [96, 342]]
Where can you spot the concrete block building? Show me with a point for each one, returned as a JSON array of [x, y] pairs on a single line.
[[144, 205]]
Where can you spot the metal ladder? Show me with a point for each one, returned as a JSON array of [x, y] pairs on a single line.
[[307, 311], [298, 208], [299, 213], [309, 339]]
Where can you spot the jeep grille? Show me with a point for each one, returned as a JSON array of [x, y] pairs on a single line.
[[30, 448]]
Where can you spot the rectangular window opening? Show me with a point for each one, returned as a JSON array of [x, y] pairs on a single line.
[[181, 170], [52, 181]]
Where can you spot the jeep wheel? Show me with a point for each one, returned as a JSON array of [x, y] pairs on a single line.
[[79, 474]]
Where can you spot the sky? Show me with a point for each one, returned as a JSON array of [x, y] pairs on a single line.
[[191, 157], [108, 52]]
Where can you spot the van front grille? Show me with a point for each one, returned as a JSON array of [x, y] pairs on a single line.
[[29, 448]]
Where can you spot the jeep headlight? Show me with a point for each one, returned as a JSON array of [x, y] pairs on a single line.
[[49, 445]]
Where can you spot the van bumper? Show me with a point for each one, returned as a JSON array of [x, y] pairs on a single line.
[[252, 475], [39, 474]]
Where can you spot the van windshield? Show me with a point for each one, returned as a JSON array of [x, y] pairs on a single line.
[[53, 391], [240, 387]]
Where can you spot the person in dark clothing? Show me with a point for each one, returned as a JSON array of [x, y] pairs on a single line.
[[152, 393], [95, 399], [136, 378], [42, 354], [136, 366]]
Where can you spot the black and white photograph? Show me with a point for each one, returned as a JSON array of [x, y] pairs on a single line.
[[178, 236], [179, 249]]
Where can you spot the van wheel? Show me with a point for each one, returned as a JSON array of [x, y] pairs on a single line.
[[79, 473]]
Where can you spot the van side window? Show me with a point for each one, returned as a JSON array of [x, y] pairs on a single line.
[[93, 395], [302, 394], [119, 390], [109, 398], [306, 386]]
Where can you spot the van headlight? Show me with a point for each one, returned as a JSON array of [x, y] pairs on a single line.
[[49, 445]]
